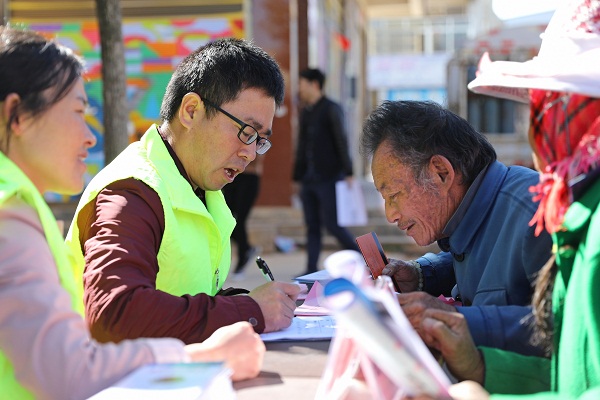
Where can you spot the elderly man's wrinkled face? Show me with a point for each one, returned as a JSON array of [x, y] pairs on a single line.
[[418, 210]]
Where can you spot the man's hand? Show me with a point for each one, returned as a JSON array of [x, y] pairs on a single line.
[[415, 304], [296, 187], [467, 390], [448, 332], [277, 301], [238, 345], [405, 274]]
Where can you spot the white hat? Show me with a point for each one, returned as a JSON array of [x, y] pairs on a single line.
[[568, 60]]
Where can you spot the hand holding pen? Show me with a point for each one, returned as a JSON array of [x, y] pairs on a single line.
[[277, 300]]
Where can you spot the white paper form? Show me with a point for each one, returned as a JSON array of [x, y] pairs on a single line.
[[304, 328], [322, 276]]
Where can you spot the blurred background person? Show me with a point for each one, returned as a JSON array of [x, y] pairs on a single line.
[[241, 195], [322, 159]]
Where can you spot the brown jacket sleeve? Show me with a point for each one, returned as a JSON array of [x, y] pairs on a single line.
[[121, 231]]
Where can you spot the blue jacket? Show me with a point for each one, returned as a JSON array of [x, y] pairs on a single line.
[[494, 256]]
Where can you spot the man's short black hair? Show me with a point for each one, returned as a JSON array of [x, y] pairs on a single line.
[[219, 71], [418, 130]]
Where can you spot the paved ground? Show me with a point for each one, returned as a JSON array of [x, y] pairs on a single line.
[[285, 266]]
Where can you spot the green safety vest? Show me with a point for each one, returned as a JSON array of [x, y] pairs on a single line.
[[195, 251], [13, 182]]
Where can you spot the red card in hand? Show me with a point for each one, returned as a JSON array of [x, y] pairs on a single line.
[[374, 256]]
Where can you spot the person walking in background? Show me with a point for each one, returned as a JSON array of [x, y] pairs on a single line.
[[322, 159], [45, 347], [241, 194]]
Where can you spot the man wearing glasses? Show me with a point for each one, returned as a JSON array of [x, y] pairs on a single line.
[[152, 229]]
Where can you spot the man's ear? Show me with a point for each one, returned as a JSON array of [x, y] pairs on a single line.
[[442, 171], [191, 109]]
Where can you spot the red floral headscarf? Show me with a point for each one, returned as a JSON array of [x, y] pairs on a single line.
[[565, 134]]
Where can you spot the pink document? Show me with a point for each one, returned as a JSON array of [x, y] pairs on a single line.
[[312, 305]]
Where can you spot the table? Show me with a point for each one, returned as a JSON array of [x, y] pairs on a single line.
[[291, 371]]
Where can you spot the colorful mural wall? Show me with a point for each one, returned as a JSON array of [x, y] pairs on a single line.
[[153, 47]]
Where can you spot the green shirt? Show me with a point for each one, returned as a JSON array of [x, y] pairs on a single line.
[[574, 370]]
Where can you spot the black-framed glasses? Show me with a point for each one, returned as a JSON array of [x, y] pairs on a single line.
[[247, 133]]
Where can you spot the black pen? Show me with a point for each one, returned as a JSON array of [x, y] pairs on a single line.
[[264, 268]]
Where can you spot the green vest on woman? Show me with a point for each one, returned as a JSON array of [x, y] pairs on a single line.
[[195, 251], [13, 182]]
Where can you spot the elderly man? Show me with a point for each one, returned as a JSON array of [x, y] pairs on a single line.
[[152, 229], [441, 182]]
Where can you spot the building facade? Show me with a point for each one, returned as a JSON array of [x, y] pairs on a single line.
[[328, 34]]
